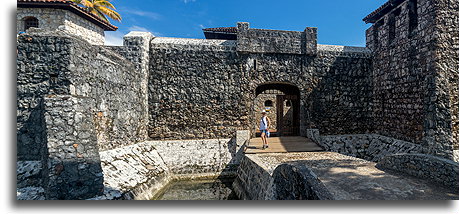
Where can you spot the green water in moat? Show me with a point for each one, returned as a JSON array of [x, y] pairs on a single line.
[[199, 190]]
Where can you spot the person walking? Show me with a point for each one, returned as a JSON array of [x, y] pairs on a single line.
[[264, 128]]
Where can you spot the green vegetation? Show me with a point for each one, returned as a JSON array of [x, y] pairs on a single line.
[[100, 8]]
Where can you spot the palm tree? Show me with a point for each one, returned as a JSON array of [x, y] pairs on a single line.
[[100, 8]]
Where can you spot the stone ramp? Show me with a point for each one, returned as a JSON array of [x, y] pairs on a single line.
[[283, 145], [346, 178]]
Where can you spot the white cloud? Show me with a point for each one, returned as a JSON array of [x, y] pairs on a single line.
[[114, 38], [186, 1], [142, 29], [142, 13], [158, 34], [138, 28]]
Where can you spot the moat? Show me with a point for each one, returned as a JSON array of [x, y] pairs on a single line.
[[214, 189]]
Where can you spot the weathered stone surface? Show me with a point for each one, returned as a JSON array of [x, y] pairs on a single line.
[[73, 168], [334, 87], [447, 54], [140, 171], [331, 175], [136, 170], [440, 170], [30, 193], [38, 70], [28, 173], [251, 40], [254, 180], [51, 19], [370, 147], [198, 156], [298, 182], [197, 98], [95, 101], [415, 74]]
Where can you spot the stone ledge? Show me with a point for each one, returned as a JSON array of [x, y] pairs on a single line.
[[372, 147], [343, 51], [141, 171], [297, 182], [193, 42], [329, 176], [440, 170]]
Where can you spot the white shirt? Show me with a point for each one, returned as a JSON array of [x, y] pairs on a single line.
[[263, 123]]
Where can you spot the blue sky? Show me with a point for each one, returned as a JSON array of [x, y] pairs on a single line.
[[339, 22]]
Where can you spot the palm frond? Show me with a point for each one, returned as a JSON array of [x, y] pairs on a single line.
[[99, 14], [110, 13], [100, 8], [104, 3]]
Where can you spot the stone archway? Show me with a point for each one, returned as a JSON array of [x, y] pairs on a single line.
[[284, 110]]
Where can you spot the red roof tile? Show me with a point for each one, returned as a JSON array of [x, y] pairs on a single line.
[[381, 11], [68, 5], [44, 1]]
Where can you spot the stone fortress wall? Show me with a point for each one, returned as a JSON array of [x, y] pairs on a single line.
[[415, 74], [447, 25], [80, 107], [211, 93], [51, 19], [69, 109], [196, 89]]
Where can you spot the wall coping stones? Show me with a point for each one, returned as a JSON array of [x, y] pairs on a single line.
[[193, 42], [344, 51], [426, 166], [139, 34], [341, 48], [372, 147]]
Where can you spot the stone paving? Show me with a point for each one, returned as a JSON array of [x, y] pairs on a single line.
[[350, 178]]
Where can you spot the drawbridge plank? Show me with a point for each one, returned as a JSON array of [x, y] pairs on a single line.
[[283, 145]]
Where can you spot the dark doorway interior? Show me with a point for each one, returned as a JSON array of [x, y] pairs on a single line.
[[287, 107]]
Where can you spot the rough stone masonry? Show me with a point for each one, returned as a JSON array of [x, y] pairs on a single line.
[[77, 100]]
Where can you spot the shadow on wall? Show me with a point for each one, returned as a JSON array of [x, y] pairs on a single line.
[[75, 180], [297, 182], [31, 134]]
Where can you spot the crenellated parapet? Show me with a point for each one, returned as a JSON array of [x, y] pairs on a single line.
[[250, 40]]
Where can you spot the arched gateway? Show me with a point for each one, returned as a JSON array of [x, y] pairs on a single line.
[[284, 110]]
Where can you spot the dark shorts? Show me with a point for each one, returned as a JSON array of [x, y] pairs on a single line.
[[264, 131]]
